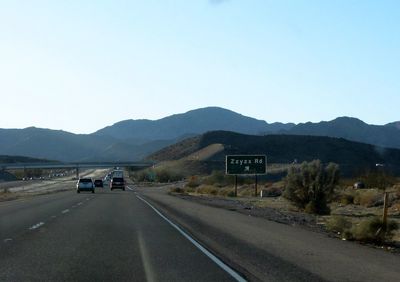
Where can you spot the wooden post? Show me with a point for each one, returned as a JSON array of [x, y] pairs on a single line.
[[385, 210], [235, 185], [255, 186]]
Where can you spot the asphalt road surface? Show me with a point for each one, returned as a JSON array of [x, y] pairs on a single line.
[[136, 235], [106, 236]]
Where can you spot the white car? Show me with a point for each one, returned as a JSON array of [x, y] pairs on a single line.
[[85, 184]]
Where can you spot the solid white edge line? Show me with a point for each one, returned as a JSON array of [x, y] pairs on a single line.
[[216, 260]]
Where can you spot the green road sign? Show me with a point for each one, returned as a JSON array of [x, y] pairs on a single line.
[[246, 164]]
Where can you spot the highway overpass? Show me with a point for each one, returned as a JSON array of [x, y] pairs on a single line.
[[76, 165]]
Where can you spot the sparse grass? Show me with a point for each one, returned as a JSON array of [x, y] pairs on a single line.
[[347, 199], [178, 190], [161, 175], [272, 191], [207, 189], [338, 224], [368, 198], [194, 181], [372, 230]]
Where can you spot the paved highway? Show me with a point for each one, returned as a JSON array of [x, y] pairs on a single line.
[[122, 236], [106, 236]]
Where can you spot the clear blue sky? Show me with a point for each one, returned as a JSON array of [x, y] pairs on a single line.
[[82, 65]]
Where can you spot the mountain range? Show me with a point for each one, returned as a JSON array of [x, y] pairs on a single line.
[[131, 140], [212, 147]]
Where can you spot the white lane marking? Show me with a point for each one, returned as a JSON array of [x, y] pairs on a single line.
[[146, 261], [129, 188], [74, 206], [65, 211], [53, 216], [7, 240], [216, 260], [80, 203], [36, 226]]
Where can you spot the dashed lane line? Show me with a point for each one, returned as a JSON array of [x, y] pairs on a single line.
[[36, 226]]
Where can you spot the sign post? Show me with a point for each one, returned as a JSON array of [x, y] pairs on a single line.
[[255, 186], [236, 185], [246, 165]]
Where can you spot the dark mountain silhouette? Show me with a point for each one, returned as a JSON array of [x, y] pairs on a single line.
[[5, 159], [134, 139], [65, 146], [395, 124], [351, 129], [285, 149], [190, 123]]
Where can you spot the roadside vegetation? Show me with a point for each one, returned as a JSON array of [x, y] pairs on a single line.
[[311, 188], [157, 175]]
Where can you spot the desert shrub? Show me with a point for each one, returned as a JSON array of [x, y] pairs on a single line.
[[194, 181], [206, 189], [272, 192], [347, 199], [162, 175], [178, 190], [167, 175], [370, 198], [372, 230], [338, 224], [146, 175], [378, 179], [246, 191], [311, 186], [218, 178]]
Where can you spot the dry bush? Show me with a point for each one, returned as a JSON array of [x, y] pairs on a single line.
[[178, 190], [206, 189], [272, 192], [226, 192], [194, 181], [338, 224], [347, 199], [312, 185], [372, 230], [246, 191], [219, 178], [368, 198]]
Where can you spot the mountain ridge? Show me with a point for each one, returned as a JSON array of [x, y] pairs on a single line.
[[131, 140]]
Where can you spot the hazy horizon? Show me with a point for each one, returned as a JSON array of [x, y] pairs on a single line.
[[82, 66], [180, 113]]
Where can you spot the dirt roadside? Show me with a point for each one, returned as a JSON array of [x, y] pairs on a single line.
[[270, 251]]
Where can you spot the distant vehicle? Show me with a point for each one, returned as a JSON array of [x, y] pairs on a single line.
[[118, 173], [85, 184], [117, 183], [98, 183]]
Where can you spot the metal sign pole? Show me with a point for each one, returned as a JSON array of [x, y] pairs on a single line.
[[235, 185], [255, 186], [385, 210]]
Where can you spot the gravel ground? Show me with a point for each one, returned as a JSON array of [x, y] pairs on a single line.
[[246, 206]]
